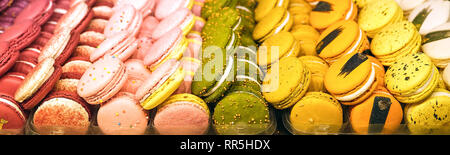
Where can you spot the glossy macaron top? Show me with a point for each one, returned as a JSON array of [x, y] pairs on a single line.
[[121, 20], [409, 72], [99, 75], [180, 18], [348, 73], [10, 82], [337, 38]]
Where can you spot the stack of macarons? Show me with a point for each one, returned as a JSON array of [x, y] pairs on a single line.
[[272, 18]]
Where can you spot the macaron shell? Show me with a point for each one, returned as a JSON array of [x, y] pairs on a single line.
[[122, 115], [33, 81], [160, 48], [102, 80], [380, 113], [148, 26], [12, 117], [120, 21], [347, 73], [170, 22], [446, 76], [11, 82], [181, 118], [166, 8], [337, 38], [315, 110], [137, 74], [161, 73]]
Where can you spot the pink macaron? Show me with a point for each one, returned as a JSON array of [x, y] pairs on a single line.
[[76, 65], [164, 47], [195, 44], [102, 80], [11, 82], [197, 8], [121, 45], [126, 18], [122, 115], [145, 7], [144, 45], [102, 12], [182, 18], [166, 8], [199, 24], [12, 116], [148, 26], [137, 74]]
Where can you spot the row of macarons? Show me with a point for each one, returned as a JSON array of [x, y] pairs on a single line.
[[80, 63], [333, 49]]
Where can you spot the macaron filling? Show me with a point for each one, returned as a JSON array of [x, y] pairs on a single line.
[[350, 12], [426, 85], [160, 82], [223, 78], [438, 94], [360, 91], [231, 43], [283, 24], [253, 64], [243, 8]]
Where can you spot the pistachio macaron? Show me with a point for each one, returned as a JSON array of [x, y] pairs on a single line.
[[241, 113], [412, 78], [395, 41], [379, 14], [341, 39], [351, 79], [316, 113], [431, 115], [279, 19], [286, 82]]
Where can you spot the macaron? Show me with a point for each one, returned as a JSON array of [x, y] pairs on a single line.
[[102, 80], [195, 40], [351, 79], [264, 7], [10, 13], [182, 114], [170, 46], [38, 83], [37, 11], [277, 47], [8, 57], [340, 39], [197, 7], [395, 41], [126, 18], [412, 78], [212, 6], [68, 82], [435, 42], [446, 76], [83, 51], [121, 45], [148, 26], [408, 5], [381, 113], [316, 113], [429, 15], [91, 38], [73, 17], [379, 14], [11, 82], [56, 45], [162, 83], [97, 25], [145, 7], [12, 116], [318, 68], [278, 20], [122, 115], [286, 82], [429, 116], [241, 113], [143, 46], [182, 18], [380, 71], [166, 8], [137, 74], [214, 78], [300, 10], [58, 105], [77, 65], [21, 35], [102, 12], [327, 12]]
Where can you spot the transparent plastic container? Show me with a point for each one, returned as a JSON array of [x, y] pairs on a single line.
[[96, 130], [208, 131], [12, 131], [244, 130]]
